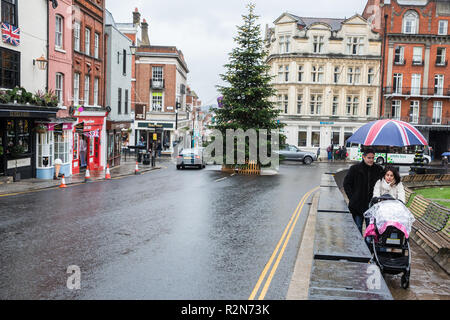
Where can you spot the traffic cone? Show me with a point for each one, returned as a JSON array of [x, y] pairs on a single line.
[[108, 174], [136, 171], [87, 177], [63, 182]]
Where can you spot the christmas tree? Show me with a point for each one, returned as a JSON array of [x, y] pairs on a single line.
[[245, 102]]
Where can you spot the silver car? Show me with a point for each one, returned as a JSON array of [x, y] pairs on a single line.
[[290, 152], [190, 158]]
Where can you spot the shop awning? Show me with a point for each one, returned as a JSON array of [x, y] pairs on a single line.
[[24, 111]]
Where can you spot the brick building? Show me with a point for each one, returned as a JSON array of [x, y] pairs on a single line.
[[416, 76], [89, 81]]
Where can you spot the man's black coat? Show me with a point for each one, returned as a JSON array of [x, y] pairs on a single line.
[[358, 185]]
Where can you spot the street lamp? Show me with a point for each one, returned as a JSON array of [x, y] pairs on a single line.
[[41, 62], [133, 50]]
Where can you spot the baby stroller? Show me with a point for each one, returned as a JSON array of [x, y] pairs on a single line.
[[389, 229]]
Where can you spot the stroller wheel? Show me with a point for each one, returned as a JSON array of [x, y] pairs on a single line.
[[405, 281]]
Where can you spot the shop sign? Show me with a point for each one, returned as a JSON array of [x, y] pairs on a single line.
[[19, 163]]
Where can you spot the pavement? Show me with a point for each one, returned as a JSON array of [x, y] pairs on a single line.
[[124, 169], [428, 280]]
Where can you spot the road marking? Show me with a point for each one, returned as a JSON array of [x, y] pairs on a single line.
[[287, 231], [221, 179]]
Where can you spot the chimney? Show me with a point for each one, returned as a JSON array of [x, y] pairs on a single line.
[[144, 30], [136, 17]]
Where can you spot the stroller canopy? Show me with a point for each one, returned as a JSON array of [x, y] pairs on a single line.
[[391, 213]]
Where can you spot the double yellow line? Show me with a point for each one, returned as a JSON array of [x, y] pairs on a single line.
[[283, 242]]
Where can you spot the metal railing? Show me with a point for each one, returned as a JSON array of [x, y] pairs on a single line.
[[157, 84], [443, 121], [415, 91]]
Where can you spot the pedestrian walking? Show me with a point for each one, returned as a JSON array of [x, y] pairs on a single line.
[[358, 185], [332, 153], [83, 148], [339, 153], [318, 154], [344, 153], [159, 149], [329, 152]]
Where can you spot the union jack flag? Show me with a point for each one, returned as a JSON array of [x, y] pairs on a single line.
[[10, 34]]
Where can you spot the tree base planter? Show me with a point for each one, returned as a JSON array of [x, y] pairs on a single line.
[[251, 168]]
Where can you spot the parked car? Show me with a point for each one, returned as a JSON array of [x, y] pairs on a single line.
[[190, 158], [290, 152]]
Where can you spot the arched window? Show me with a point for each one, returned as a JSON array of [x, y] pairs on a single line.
[[411, 22]]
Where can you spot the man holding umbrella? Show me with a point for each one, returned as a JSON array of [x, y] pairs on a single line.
[[359, 183]]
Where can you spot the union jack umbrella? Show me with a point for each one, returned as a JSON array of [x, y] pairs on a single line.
[[10, 34], [388, 132]]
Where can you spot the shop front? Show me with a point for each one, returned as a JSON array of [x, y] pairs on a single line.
[[118, 137], [53, 144], [18, 124], [87, 143], [151, 134]]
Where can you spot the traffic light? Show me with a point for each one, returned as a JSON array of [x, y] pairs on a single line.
[[177, 105]]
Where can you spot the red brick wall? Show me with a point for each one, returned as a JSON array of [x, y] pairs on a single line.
[[90, 15]]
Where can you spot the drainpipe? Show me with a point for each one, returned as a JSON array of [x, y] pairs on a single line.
[[382, 65], [48, 45]]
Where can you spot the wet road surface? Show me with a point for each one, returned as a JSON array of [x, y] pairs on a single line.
[[167, 234]]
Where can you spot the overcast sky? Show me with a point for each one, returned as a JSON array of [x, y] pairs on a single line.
[[204, 29]]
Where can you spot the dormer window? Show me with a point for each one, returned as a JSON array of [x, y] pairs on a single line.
[[285, 43], [355, 45], [411, 22], [318, 43]]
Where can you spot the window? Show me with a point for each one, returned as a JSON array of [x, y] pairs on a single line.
[[417, 55], [284, 43], [415, 84], [414, 112], [439, 84], [59, 88], [300, 73], [399, 55], [299, 103], [352, 105], [443, 27], [302, 135], [317, 74], [355, 45], [76, 89], [396, 109], [87, 80], [45, 149], [283, 73], [87, 41], [96, 45], [119, 101], [369, 106], [398, 79], [315, 137], [62, 146], [335, 106], [157, 77], [411, 22], [157, 101], [370, 76], [316, 103], [76, 36], [335, 135], [337, 73], [440, 56], [96, 81], [283, 103], [9, 12], [9, 69], [124, 59], [437, 112], [59, 32], [353, 75], [318, 43], [126, 102]]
